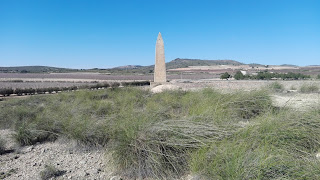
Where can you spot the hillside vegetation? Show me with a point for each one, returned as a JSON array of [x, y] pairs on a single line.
[[167, 135]]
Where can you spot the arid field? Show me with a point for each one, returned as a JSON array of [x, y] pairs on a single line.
[[184, 129]]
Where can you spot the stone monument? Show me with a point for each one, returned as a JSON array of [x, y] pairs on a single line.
[[160, 65]]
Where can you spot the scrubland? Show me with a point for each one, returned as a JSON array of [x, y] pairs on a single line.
[[205, 134]]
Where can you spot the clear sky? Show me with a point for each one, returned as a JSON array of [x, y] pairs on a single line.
[[109, 33]]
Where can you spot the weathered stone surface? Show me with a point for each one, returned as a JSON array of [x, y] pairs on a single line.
[[160, 66]]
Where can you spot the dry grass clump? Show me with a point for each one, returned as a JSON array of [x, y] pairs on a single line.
[[275, 146], [276, 87], [309, 88], [157, 144], [50, 172], [169, 134], [162, 149]]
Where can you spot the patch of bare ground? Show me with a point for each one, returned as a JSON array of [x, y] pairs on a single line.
[[246, 85], [297, 101], [74, 161]]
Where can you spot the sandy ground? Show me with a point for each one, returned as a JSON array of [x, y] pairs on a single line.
[[297, 101], [76, 162]]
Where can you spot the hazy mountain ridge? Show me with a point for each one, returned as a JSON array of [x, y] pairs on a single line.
[[128, 67], [181, 63], [174, 64], [35, 69]]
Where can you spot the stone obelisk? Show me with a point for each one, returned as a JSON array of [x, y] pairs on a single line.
[[160, 65]]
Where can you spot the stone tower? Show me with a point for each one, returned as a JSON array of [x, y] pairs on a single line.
[[160, 65]]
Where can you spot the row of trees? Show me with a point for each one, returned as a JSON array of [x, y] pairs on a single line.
[[264, 75], [29, 91]]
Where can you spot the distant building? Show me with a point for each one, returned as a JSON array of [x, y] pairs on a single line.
[[244, 72]]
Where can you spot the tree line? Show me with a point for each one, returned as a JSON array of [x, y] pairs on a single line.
[[265, 75], [31, 91]]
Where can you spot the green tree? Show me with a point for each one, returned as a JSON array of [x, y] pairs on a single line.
[[225, 75], [238, 75]]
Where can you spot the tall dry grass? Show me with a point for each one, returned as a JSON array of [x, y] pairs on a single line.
[[239, 135]]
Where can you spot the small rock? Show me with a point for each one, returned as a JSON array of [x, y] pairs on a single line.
[[82, 162]]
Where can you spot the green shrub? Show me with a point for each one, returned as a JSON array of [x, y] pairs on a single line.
[[239, 76], [28, 134], [225, 75], [6, 91], [161, 150], [309, 88], [158, 143], [115, 84], [18, 91], [136, 83], [274, 146]]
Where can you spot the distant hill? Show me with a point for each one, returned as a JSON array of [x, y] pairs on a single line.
[[182, 63], [289, 65], [35, 69], [176, 63], [255, 64], [128, 67]]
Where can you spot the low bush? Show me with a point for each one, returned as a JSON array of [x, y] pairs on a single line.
[[50, 172], [282, 146], [115, 84], [161, 150], [309, 88], [100, 85], [6, 91], [16, 81], [136, 83], [276, 87]]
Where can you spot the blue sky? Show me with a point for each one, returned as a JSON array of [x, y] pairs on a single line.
[[93, 33]]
